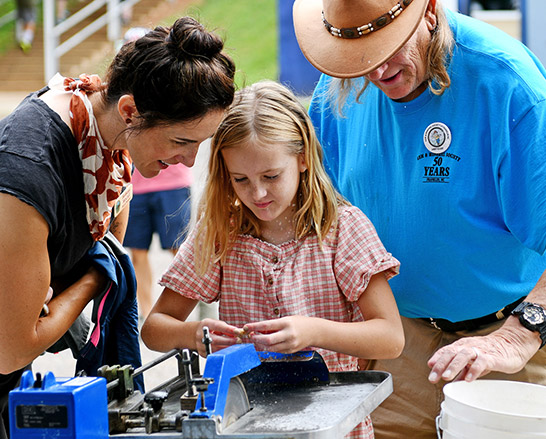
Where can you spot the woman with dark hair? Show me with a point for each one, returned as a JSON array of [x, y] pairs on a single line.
[[66, 155]]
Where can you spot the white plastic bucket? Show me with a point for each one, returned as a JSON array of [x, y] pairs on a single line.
[[493, 409]]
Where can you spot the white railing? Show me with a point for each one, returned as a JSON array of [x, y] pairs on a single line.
[[53, 50]]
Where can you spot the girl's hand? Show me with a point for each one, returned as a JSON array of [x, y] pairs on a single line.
[[285, 335], [222, 335]]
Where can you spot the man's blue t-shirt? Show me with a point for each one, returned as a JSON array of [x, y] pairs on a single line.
[[455, 184]]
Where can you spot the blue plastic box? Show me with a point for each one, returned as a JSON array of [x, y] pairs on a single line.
[[71, 408]]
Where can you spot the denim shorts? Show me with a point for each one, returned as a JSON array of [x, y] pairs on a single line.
[[166, 213]]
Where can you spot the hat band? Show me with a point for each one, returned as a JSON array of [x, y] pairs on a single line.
[[378, 23]]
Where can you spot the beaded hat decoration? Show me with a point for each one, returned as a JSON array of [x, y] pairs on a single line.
[[355, 50], [378, 23]]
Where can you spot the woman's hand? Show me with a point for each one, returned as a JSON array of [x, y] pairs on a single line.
[[506, 350]]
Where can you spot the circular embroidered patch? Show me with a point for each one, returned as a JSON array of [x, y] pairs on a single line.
[[437, 138]]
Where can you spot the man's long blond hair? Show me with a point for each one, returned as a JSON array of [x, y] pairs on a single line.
[[438, 55], [266, 113]]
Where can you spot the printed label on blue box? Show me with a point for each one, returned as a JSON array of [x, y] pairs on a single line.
[[42, 416]]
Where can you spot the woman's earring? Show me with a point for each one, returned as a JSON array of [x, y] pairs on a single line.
[[128, 120]]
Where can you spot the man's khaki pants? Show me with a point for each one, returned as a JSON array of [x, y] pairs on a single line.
[[410, 411]]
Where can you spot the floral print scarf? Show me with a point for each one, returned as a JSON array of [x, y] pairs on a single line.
[[105, 172]]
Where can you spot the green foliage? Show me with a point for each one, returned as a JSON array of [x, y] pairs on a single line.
[[7, 37], [6, 7], [7, 31], [249, 29]]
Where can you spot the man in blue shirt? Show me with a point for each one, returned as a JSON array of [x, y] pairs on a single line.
[[434, 124]]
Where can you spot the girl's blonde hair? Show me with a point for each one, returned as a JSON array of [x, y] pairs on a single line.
[[269, 114], [438, 55]]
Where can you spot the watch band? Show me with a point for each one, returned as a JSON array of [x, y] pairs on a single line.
[[536, 325]]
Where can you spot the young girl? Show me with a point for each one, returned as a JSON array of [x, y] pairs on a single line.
[[292, 265]]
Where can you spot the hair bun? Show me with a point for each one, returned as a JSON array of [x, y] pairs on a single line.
[[175, 74], [189, 37]]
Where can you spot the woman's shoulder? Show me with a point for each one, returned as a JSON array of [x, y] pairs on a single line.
[[33, 118], [33, 142]]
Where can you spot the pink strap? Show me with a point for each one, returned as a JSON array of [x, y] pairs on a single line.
[[95, 336]]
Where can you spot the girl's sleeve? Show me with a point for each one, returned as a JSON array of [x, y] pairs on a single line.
[[181, 276], [360, 254]]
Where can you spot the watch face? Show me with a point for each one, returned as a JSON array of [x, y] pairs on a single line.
[[534, 315]]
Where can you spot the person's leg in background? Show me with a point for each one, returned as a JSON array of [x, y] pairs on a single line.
[[138, 238], [25, 25], [61, 12], [143, 272], [172, 217], [166, 213], [126, 13], [173, 230]]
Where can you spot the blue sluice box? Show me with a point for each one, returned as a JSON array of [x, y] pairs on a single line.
[[49, 407]]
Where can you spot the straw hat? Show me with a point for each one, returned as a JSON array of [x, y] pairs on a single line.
[[349, 38]]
